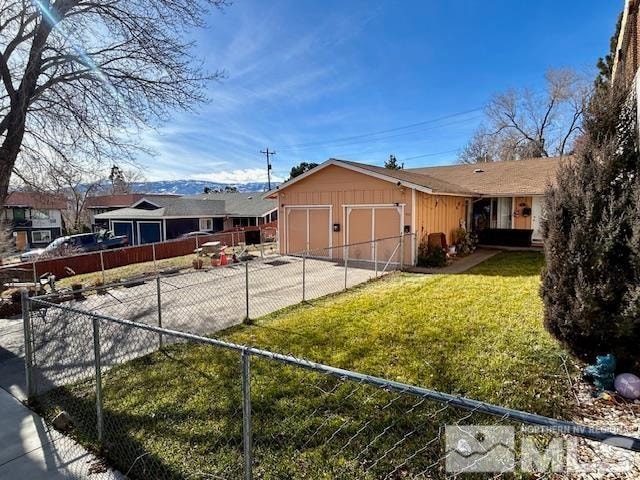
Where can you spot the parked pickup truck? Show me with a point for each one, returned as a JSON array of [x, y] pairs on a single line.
[[73, 244]]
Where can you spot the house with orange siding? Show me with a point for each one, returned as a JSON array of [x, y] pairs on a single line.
[[342, 203]]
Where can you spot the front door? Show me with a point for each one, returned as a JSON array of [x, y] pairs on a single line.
[[536, 219]]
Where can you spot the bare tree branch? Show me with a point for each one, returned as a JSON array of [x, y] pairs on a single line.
[[523, 124], [81, 78]]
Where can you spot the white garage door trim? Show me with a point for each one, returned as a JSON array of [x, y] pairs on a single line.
[[369, 206], [287, 210]]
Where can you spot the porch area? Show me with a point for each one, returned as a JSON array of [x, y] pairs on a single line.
[[513, 221]]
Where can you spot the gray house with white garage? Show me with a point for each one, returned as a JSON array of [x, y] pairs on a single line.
[[156, 219]]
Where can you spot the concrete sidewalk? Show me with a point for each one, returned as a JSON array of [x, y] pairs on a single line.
[[31, 450], [459, 265]]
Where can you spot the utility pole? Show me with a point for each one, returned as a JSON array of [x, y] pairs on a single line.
[[267, 153]]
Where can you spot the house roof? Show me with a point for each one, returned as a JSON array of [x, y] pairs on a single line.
[[121, 201], [180, 207], [435, 185], [235, 204], [242, 204], [35, 200], [522, 177]]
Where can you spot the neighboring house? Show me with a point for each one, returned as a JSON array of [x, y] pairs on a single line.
[[627, 55], [156, 218], [244, 209], [35, 219], [341, 202], [107, 203]]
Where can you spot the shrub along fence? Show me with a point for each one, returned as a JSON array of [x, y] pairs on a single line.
[[63, 267]]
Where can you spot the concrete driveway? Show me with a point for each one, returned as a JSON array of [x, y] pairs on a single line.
[[207, 301], [200, 302]]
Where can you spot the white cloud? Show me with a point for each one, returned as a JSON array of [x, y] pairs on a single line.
[[245, 175]]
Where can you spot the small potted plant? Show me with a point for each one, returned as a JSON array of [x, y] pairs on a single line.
[[99, 286], [197, 263]]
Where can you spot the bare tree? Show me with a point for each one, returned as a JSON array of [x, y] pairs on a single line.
[[79, 78], [77, 186], [524, 124]]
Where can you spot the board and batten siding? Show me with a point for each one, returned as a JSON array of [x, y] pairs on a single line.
[[337, 187], [439, 213]]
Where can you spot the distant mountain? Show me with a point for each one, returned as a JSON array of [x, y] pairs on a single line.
[[192, 187]]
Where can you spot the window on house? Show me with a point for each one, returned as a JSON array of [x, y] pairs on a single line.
[[40, 214], [41, 236], [206, 224], [244, 221], [501, 212], [19, 214]]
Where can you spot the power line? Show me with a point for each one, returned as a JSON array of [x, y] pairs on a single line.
[[379, 132], [267, 153], [435, 154]]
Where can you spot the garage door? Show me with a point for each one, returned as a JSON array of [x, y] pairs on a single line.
[[368, 223], [309, 229]]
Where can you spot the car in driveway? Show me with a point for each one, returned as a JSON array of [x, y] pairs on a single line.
[[72, 244]]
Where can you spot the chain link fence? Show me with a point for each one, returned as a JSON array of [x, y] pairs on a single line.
[[165, 404], [210, 298]]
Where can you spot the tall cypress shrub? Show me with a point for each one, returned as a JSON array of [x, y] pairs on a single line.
[[591, 282]]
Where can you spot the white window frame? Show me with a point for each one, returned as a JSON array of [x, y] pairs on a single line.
[[208, 221], [156, 222], [48, 232]]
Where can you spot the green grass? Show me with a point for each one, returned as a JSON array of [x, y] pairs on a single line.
[[479, 334]]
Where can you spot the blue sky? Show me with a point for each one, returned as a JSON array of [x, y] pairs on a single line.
[[314, 79]]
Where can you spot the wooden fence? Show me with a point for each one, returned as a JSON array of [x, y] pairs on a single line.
[[63, 267]]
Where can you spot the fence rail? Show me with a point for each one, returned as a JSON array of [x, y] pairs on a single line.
[[214, 298], [272, 414], [103, 260]]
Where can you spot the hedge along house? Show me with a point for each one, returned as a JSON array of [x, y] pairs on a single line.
[[343, 203], [156, 219]]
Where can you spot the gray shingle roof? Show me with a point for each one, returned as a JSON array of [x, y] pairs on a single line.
[[205, 205], [242, 204]]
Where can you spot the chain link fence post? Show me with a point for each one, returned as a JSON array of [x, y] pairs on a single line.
[[346, 267], [246, 292], [28, 344], [98, 370], [104, 281], [375, 257], [402, 251], [246, 416], [35, 277], [159, 297], [304, 276]]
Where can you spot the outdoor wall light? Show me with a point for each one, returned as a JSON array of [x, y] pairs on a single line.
[[336, 227]]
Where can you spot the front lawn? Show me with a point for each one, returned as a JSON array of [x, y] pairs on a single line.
[[178, 412]]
